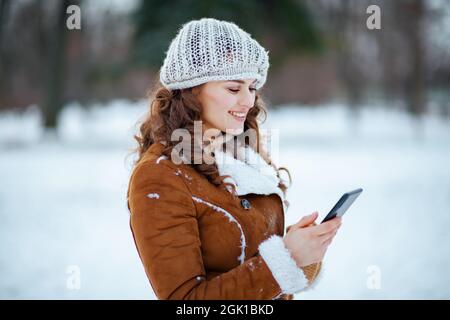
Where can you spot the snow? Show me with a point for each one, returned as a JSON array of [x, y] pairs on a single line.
[[63, 206]]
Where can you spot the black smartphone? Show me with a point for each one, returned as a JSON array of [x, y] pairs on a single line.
[[343, 204]]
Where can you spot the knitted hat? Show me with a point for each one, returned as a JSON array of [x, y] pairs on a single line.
[[208, 50]]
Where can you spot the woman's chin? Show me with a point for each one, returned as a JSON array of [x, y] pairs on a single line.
[[234, 131]]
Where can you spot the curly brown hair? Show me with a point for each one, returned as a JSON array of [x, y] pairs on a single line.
[[178, 109]]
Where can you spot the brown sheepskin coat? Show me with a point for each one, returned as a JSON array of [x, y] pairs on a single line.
[[197, 241]]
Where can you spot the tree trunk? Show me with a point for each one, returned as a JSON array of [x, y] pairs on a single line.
[[56, 66], [416, 79]]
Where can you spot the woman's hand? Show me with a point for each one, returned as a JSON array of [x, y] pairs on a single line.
[[308, 243]]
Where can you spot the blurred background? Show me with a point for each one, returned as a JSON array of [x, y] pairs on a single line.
[[354, 106]]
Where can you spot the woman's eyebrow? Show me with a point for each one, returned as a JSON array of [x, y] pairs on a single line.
[[241, 81]]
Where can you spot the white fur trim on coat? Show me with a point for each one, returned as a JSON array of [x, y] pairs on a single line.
[[250, 173], [289, 276]]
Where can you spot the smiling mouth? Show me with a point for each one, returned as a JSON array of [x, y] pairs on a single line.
[[239, 116]]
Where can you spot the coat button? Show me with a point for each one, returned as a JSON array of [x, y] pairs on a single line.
[[245, 204]]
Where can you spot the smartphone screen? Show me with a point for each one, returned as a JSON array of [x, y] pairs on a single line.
[[343, 204]]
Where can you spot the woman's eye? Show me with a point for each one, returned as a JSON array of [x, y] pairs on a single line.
[[237, 90]]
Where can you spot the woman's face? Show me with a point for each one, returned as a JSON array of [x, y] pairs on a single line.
[[225, 104]]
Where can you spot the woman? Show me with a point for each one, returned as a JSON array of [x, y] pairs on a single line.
[[207, 213]]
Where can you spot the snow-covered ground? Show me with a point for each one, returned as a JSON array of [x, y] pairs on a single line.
[[63, 211]]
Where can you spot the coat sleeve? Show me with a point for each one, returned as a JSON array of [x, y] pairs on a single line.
[[165, 230]]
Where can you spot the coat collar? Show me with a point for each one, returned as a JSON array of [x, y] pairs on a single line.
[[249, 172]]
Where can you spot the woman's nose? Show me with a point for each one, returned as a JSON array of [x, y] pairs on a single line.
[[247, 100]]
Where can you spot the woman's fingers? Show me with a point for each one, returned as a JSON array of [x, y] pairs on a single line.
[[327, 237], [306, 220], [328, 242], [327, 227]]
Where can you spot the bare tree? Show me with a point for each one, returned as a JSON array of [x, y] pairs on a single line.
[[55, 74], [4, 56], [415, 84]]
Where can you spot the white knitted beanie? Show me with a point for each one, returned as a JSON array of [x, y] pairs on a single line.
[[208, 50]]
